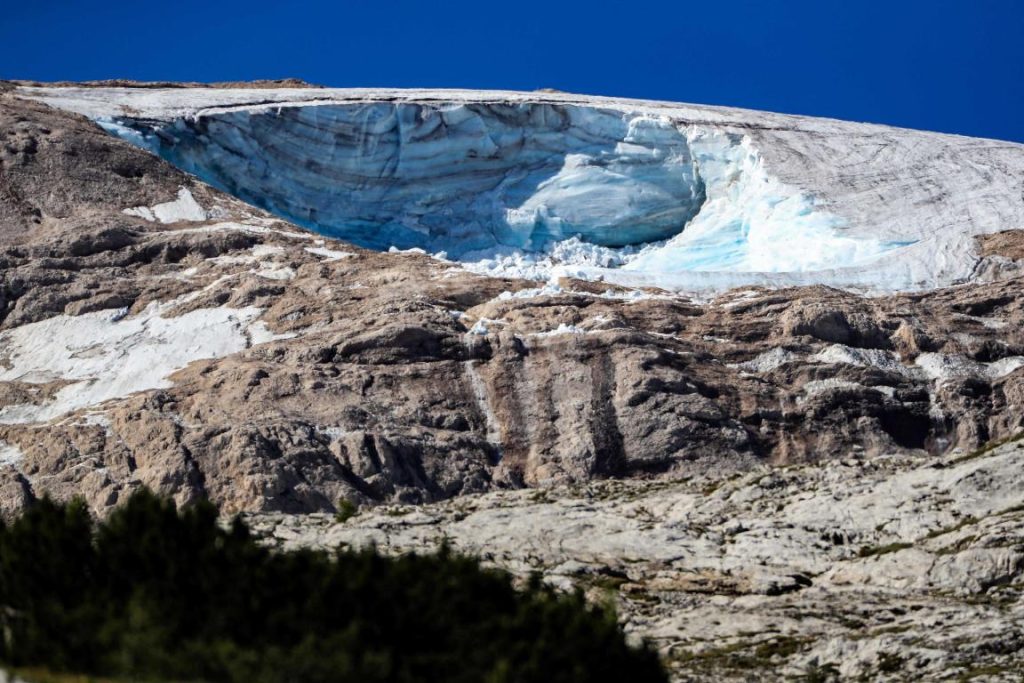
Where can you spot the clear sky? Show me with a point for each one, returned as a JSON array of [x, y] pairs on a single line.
[[949, 65]]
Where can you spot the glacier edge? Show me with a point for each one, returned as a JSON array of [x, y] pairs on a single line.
[[815, 201]]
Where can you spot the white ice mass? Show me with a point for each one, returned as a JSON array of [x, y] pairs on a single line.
[[542, 184], [109, 354]]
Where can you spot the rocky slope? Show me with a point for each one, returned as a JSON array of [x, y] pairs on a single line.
[[894, 568]]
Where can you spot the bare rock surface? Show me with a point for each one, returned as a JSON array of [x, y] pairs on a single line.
[[864, 569]]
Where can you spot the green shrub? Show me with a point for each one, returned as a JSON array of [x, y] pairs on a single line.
[[155, 593], [346, 510]]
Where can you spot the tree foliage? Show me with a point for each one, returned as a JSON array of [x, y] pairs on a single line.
[[155, 593]]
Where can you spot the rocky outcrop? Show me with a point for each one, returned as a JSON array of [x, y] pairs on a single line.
[[157, 332]]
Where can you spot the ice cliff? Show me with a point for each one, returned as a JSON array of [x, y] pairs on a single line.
[[542, 184], [455, 178]]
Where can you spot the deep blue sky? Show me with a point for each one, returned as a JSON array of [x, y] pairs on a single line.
[[949, 65]]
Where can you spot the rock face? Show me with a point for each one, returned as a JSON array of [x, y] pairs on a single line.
[[157, 332]]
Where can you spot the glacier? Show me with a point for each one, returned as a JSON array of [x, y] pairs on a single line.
[[453, 178], [463, 179], [546, 184]]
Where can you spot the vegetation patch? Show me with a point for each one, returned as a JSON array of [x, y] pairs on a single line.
[[608, 580], [984, 672], [890, 663], [158, 594], [346, 510], [1013, 509], [823, 673], [874, 550], [783, 647], [966, 521], [959, 546], [741, 656]]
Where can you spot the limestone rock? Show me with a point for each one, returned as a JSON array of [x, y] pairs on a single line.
[[885, 568]]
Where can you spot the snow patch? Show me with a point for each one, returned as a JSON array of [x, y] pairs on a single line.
[[820, 386], [259, 333], [481, 328], [1004, 366], [264, 250], [329, 254], [10, 454], [252, 228], [109, 354], [940, 367], [767, 361], [98, 420], [333, 432], [875, 358], [547, 290], [184, 208], [562, 328], [275, 271]]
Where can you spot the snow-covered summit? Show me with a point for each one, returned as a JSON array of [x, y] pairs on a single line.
[[540, 184]]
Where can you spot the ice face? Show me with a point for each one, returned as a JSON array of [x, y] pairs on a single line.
[[728, 197], [456, 178], [517, 188], [750, 222]]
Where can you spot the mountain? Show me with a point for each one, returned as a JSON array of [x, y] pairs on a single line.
[[159, 331], [741, 373]]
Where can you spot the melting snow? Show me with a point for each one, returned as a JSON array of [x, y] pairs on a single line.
[[184, 208], [10, 454], [329, 254], [108, 354]]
